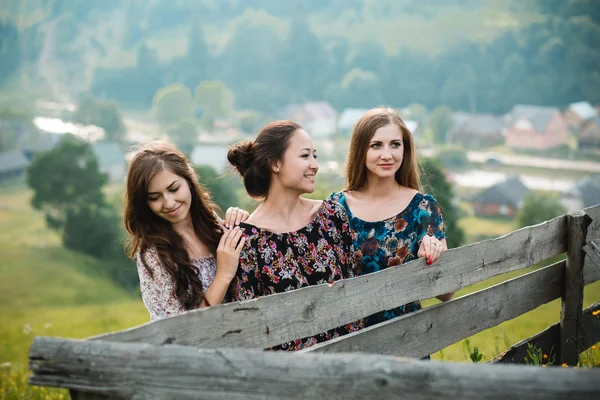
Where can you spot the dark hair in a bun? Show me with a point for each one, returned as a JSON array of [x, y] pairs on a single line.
[[254, 160], [240, 156]]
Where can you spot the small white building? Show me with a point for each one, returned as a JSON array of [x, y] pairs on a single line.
[[348, 119], [212, 155], [319, 118]]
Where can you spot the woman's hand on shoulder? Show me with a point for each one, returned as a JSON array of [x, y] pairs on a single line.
[[234, 216], [228, 252], [431, 248]]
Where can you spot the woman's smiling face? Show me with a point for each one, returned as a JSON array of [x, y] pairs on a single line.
[[386, 152], [299, 166], [169, 196]]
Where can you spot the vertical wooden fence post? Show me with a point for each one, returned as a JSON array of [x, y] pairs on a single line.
[[572, 298]]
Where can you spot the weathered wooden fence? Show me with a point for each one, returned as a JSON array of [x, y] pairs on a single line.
[[215, 352]]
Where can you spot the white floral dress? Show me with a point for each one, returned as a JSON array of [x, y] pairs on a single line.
[[158, 291]]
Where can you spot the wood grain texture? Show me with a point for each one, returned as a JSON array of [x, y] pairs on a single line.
[[143, 371], [271, 320], [592, 252], [572, 298], [429, 330], [549, 339], [594, 228]]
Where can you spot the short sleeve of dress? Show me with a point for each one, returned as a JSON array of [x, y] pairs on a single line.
[[158, 289], [246, 281], [346, 239], [435, 225]]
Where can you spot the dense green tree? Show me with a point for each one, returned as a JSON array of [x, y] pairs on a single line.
[[268, 63], [222, 188], [361, 89], [173, 104], [303, 61], [102, 113], [435, 183], [67, 188], [93, 230], [215, 99], [248, 121], [252, 58], [198, 59], [539, 207], [65, 179], [184, 135]]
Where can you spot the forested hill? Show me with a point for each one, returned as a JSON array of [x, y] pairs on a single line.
[[479, 55]]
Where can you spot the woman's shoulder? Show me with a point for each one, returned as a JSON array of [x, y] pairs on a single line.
[[332, 208], [420, 196], [148, 257]]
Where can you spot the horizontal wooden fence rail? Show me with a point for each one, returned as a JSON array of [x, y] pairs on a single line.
[[274, 319], [142, 371], [547, 339], [432, 329]]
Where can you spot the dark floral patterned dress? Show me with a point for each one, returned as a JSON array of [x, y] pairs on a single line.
[[321, 252], [393, 241]]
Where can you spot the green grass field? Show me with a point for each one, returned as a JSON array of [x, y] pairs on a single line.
[[48, 290]]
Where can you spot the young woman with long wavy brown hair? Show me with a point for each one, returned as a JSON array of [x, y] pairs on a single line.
[[185, 258], [393, 221]]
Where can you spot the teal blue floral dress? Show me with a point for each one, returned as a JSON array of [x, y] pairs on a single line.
[[393, 241]]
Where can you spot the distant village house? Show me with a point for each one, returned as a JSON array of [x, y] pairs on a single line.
[[585, 193], [535, 128], [588, 138], [477, 130], [578, 113], [502, 199]]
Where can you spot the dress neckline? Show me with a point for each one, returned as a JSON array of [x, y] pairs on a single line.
[[393, 217], [271, 233]]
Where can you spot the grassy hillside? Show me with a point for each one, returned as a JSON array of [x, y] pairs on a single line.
[[48, 290]]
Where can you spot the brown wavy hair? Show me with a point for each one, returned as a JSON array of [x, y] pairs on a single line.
[[254, 160], [147, 230], [356, 170]]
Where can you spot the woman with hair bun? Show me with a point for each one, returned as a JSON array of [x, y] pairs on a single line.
[[292, 242], [185, 259]]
